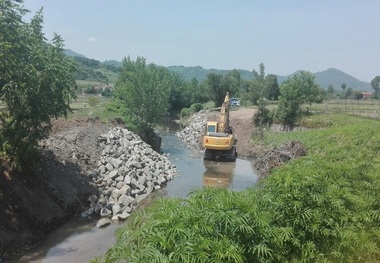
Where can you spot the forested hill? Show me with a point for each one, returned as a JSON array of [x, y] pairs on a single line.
[[94, 70], [331, 76], [188, 73]]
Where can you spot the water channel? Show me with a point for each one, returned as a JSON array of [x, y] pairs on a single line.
[[81, 241]]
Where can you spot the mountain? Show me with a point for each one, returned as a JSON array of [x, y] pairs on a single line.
[[113, 63], [324, 78], [70, 53], [336, 78], [188, 73]]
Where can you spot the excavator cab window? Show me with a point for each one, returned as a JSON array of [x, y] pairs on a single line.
[[211, 128]]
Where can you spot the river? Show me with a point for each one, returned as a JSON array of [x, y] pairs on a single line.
[[81, 241]]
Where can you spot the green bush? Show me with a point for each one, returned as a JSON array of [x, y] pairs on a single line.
[[196, 107], [208, 105], [93, 101], [185, 112]]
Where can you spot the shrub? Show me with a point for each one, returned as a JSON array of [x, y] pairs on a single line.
[[93, 101]]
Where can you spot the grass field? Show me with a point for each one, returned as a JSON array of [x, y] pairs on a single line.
[[81, 108], [365, 108]]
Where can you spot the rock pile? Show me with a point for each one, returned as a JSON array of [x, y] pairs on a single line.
[[193, 133], [128, 171]]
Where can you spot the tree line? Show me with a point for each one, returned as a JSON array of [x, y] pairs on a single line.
[[38, 83]]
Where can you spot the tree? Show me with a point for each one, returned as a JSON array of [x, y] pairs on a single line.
[[37, 83], [349, 92], [257, 88], [263, 86], [330, 91], [375, 83], [142, 94], [179, 94], [215, 88], [93, 101], [300, 88], [219, 85], [344, 89], [344, 86], [272, 89], [197, 91], [263, 118], [232, 82], [358, 95]]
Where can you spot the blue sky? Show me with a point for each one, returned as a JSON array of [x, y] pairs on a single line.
[[285, 35]]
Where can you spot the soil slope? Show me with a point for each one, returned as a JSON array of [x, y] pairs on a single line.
[[32, 204]]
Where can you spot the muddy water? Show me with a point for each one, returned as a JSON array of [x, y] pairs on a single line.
[[81, 241]]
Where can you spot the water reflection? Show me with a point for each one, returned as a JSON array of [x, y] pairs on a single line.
[[220, 174]]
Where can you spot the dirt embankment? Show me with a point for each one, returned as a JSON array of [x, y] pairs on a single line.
[[32, 204]]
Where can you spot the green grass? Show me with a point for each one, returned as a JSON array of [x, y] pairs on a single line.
[[365, 107], [81, 109]]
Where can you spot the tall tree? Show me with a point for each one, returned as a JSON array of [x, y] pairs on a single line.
[[330, 90], [216, 89], [142, 93], [37, 82], [272, 89], [257, 88], [300, 88], [232, 82], [263, 86], [218, 85], [349, 92], [375, 83]]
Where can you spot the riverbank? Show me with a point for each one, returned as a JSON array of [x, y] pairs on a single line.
[[264, 159], [92, 170], [87, 169]]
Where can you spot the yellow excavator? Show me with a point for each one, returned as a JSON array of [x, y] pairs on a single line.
[[219, 142]]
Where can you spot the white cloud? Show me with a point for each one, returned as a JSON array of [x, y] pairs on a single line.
[[92, 40]]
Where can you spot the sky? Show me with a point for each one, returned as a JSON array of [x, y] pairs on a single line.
[[284, 35]]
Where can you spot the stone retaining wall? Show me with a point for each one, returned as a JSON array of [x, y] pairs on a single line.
[[128, 171], [193, 133]]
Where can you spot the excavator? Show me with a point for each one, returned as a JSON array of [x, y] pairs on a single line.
[[219, 142]]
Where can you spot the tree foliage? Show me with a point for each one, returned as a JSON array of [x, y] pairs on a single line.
[[219, 85], [142, 93], [263, 86], [375, 83], [299, 89], [36, 82]]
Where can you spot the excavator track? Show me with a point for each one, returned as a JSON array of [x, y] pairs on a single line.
[[223, 156]]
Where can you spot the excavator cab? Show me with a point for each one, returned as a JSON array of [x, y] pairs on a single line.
[[212, 126]]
